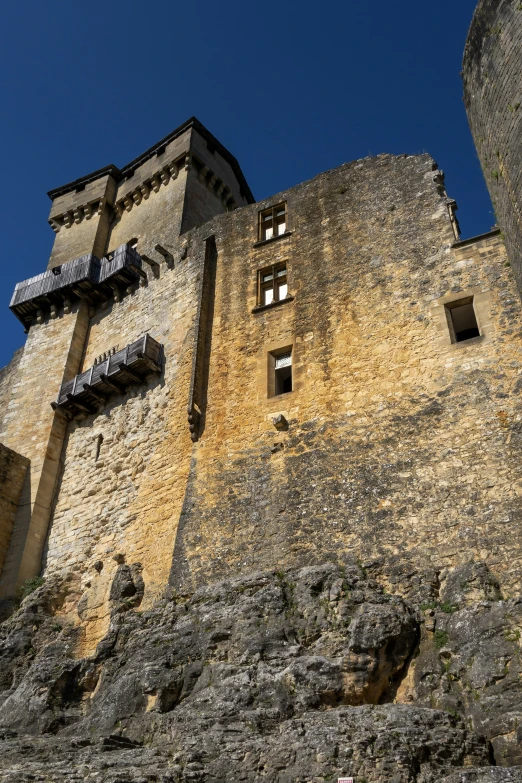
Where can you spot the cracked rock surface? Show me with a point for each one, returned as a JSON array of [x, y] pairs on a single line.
[[301, 676]]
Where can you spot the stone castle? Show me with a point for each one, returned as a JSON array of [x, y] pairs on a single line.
[[214, 387]]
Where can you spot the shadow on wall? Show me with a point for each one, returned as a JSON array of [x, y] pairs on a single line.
[[9, 579]]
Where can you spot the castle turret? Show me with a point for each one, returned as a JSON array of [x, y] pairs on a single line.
[[116, 229], [492, 71]]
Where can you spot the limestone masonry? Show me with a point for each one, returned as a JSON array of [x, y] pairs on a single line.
[[269, 451], [492, 71]]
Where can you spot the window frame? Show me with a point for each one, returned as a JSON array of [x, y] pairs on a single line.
[[274, 284], [454, 304], [272, 211]]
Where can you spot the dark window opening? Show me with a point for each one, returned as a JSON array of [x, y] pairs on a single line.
[[280, 373], [99, 441], [272, 222], [462, 320], [283, 380], [57, 270]]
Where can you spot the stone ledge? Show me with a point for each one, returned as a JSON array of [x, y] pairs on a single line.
[[262, 308], [263, 242]]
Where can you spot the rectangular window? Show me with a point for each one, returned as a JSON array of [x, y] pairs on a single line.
[[462, 321], [272, 222], [272, 284], [280, 372]]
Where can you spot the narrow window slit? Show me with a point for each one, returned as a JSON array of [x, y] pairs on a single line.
[[99, 441]]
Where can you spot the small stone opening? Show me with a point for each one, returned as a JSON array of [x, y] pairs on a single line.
[[280, 373], [462, 320], [99, 441]]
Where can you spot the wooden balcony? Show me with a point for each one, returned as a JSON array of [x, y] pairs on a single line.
[[86, 278], [89, 391]]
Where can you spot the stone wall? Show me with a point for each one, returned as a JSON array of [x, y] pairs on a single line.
[[400, 445], [8, 375], [124, 470], [492, 71], [87, 226], [13, 468], [51, 355]]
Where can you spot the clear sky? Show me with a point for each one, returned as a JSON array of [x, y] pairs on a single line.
[[291, 89]]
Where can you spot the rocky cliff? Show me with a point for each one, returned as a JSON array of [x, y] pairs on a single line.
[[300, 676]]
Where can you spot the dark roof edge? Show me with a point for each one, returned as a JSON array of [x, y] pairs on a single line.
[[111, 169], [193, 122], [461, 242]]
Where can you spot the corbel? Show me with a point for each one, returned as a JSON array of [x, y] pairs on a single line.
[[145, 190], [220, 188], [78, 215], [174, 170], [188, 161], [128, 203], [67, 306], [194, 420], [87, 211], [101, 206], [155, 183], [124, 368], [231, 203], [165, 176], [54, 311], [203, 173], [95, 393], [68, 219], [136, 196], [39, 316], [81, 294], [81, 405], [61, 411], [118, 209], [169, 258], [55, 225], [116, 292], [212, 181], [115, 387], [155, 267]]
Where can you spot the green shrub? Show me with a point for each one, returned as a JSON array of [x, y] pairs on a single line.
[[30, 585], [440, 639]]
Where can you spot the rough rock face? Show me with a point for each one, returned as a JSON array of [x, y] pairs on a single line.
[[281, 676]]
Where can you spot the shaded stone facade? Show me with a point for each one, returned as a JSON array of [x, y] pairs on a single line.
[[492, 72]]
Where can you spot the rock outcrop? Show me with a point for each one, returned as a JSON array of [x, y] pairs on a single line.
[[285, 677]]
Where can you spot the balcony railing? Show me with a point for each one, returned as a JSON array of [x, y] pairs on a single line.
[[86, 278], [89, 390]]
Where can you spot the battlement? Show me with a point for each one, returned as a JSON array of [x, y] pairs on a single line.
[[180, 182]]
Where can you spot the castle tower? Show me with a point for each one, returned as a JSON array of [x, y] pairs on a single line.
[[142, 212], [492, 71]]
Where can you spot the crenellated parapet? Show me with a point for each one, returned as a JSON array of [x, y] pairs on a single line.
[[169, 172], [179, 183]]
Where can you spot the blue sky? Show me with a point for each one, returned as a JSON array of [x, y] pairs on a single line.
[[292, 89]]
